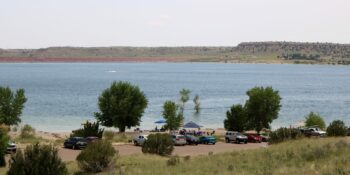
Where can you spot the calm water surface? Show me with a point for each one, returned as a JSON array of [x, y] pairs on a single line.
[[62, 95]]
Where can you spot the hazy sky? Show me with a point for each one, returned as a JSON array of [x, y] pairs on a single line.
[[44, 23]]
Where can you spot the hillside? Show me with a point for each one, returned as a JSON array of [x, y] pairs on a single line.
[[251, 52]]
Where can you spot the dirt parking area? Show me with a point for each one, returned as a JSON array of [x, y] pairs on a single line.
[[70, 155]]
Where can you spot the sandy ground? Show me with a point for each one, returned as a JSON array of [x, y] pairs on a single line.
[[192, 150]]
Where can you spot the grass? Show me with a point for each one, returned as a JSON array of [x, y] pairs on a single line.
[[324, 156]]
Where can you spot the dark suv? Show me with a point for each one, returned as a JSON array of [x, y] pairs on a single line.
[[190, 139], [75, 143]]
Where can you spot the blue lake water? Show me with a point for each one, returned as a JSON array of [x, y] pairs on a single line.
[[63, 95]]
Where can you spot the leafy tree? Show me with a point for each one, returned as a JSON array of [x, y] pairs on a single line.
[[97, 156], [173, 121], [4, 139], [184, 97], [160, 144], [236, 119], [37, 159], [122, 105], [262, 107], [89, 129], [337, 128], [314, 119], [196, 103], [11, 105]]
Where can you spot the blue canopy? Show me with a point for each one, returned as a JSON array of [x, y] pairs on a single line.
[[191, 125], [161, 121]]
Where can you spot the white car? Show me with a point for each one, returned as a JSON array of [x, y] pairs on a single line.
[[140, 139], [179, 140], [236, 137]]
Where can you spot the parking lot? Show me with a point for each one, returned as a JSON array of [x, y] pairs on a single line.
[[201, 149]]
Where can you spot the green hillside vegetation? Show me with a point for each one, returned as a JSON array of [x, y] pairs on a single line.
[[306, 156], [251, 52]]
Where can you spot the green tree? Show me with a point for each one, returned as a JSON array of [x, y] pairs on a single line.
[[184, 97], [314, 119], [337, 128], [236, 119], [262, 107], [196, 103], [89, 129], [173, 120], [122, 106], [11, 105], [37, 159]]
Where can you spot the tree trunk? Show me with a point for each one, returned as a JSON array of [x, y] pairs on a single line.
[[122, 129]]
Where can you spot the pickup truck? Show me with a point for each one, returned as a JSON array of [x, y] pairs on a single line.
[[314, 131]]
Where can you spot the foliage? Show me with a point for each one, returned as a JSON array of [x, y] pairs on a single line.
[[337, 128], [89, 129], [314, 119], [184, 97], [4, 139], [108, 135], [262, 107], [284, 134], [196, 104], [158, 143], [173, 161], [326, 156], [27, 131], [122, 105], [37, 159], [97, 156], [11, 105], [236, 119], [173, 120]]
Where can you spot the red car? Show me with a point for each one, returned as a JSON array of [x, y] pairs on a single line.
[[254, 138]]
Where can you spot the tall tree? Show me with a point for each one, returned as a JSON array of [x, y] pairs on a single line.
[[196, 104], [122, 106], [184, 97], [236, 119], [173, 120], [11, 105], [262, 107], [314, 119]]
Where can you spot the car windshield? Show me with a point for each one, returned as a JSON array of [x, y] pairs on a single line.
[[180, 137]]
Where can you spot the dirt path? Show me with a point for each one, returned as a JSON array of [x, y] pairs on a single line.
[[70, 155]]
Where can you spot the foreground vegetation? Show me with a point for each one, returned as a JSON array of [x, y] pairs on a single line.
[[257, 52], [306, 156]]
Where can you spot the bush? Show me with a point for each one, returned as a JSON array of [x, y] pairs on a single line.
[[160, 144], [173, 160], [89, 129], [37, 159], [27, 131], [284, 134], [96, 157], [314, 119], [108, 135], [4, 138], [337, 128]]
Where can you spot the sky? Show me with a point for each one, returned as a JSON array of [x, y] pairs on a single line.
[[89, 23]]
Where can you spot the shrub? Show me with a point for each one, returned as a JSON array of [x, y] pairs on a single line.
[[173, 160], [314, 119], [96, 157], [89, 129], [27, 131], [284, 134], [108, 135], [337, 128], [160, 144], [4, 138], [37, 159]]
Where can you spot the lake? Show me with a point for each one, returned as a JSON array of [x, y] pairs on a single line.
[[63, 95]]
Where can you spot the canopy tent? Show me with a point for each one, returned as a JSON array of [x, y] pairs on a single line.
[[191, 125], [161, 121]]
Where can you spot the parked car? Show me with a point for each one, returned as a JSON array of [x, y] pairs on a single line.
[[254, 138], [140, 139], [190, 139], [207, 140], [179, 140], [92, 139], [265, 138], [75, 143], [314, 131], [11, 147], [234, 136]]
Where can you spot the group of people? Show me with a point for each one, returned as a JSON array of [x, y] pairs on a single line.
[[196, 133]]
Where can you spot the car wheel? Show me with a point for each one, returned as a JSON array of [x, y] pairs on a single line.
[[227, 140], [74, 147], [245, 142], [135, 143]]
